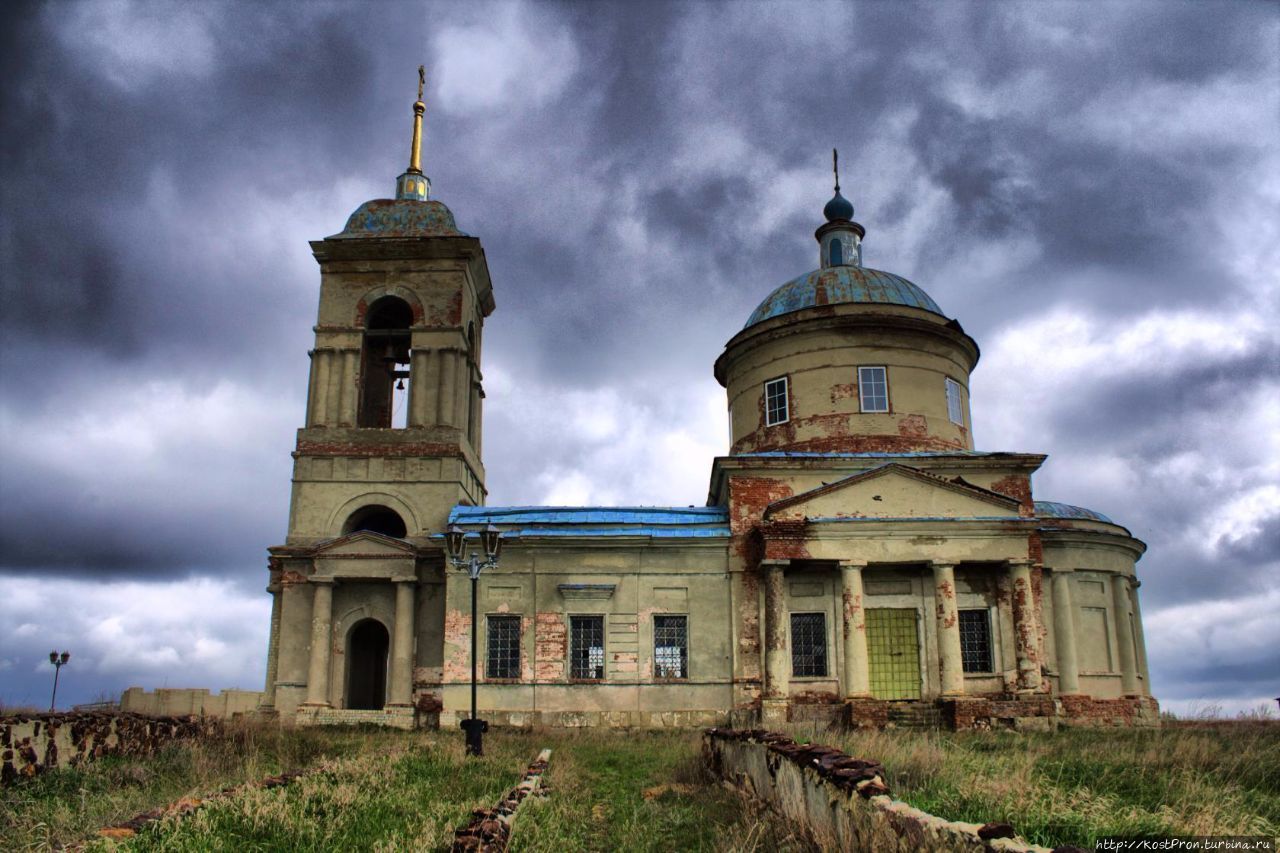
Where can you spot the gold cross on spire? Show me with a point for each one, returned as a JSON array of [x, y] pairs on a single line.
[[835, 166], [422, 80]]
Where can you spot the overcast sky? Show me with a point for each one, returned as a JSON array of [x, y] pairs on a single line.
[[1092, 189]]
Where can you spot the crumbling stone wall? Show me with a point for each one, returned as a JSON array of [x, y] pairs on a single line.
[[843, 801], [33, 743]]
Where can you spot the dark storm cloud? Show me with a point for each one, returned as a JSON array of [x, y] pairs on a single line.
[[157, 194]]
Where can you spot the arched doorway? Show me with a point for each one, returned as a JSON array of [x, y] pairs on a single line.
[[367, 646]]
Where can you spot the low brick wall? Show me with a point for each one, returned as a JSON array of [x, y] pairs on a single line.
[[33, 743], [170, 701], [843, 801]]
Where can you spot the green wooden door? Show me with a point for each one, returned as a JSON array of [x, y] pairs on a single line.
[[893, 652]]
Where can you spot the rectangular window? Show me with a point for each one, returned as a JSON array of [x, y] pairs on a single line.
[[586, 647], [808, 644], [775, 401], [954, 410], [503, 658], [873, 389], [975, 640], [671, 646]]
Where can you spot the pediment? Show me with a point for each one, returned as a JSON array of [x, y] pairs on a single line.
[[364, 544], [894, 491]]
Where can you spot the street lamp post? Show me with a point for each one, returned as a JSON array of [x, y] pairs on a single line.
[[456, 542], [58, 661]]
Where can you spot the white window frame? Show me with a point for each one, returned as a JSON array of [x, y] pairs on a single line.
[[955, 403], [862, 388], [786, 403]]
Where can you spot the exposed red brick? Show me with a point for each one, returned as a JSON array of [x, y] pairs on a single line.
[[1018, 487]]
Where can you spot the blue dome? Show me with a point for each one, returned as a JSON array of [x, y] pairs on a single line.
[[837, 285], [386, 217], [838, 208]]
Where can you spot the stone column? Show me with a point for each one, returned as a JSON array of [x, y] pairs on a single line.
[[448, 388], [312, 384], [334, 357], [321, 642], [402, 644], [418, 411], [273, 648], [462, 390], [777, 678], [857, 676], [320, 400], [950, 663], [1124, 636], [1142, 640], [347, 415], [1025, 625], [1064, 634]]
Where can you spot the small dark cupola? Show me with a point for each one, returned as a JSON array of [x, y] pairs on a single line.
[[413, 185], [839, 238]]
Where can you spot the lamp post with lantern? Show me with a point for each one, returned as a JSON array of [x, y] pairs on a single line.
[[456, 543], [58, 661]]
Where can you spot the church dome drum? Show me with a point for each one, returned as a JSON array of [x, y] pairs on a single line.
[[848, 359]]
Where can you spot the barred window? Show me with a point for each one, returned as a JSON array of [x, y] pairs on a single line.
[[873, 389], [775, 401], [975, 640], [808, 644], [671, 646], [586, 647], [503, 658]]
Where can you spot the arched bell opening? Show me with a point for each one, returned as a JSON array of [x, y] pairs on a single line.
[[384, 366], [376, 519], [368, 644]]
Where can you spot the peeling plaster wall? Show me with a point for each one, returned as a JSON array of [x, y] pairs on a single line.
[[639, 580], [176, 702]]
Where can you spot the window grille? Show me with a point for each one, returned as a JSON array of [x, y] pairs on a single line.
[[873, 389], [808, 644], [671, 646], [586, 647], [503, 649], [975, 640], [775, 401], [954, 410]]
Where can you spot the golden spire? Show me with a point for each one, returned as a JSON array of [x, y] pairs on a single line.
[[419, 108]]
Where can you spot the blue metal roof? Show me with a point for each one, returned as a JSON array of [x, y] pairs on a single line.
[[842, 284], [1052, 509], [682, 522]]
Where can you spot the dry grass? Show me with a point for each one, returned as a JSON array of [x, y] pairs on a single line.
[[1075, 785], [375, 789]]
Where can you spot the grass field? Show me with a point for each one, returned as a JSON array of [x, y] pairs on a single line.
[[383, 790]]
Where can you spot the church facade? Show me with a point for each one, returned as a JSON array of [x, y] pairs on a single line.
[[857, 558]]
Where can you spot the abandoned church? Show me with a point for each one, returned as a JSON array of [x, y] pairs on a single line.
[[857, 558]]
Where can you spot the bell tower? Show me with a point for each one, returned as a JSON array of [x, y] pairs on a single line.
[[391, 441]]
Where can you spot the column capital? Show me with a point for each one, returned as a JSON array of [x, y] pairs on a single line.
[[1019, 563], [411, 581], [943, 564], [852, 564], [774, 564], [327, 581], [1060, 571]]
